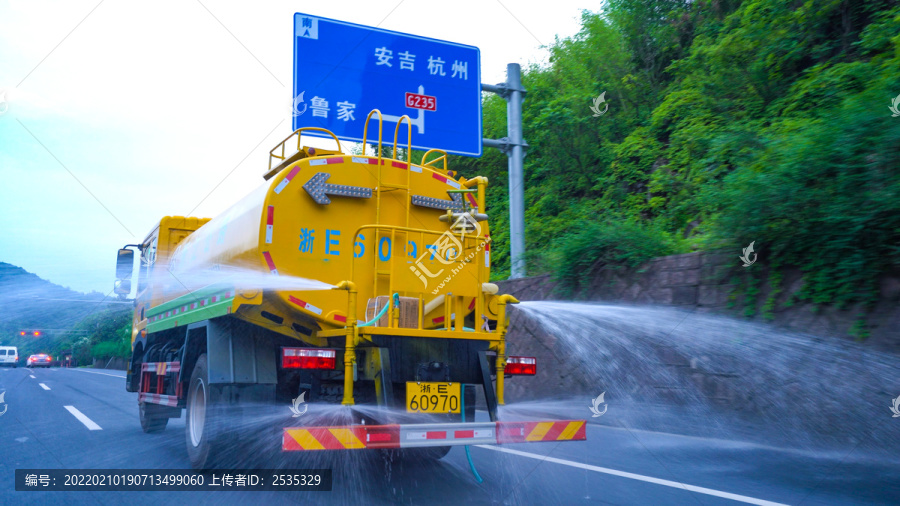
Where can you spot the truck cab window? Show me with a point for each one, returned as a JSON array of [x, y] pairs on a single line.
[[148, 258]]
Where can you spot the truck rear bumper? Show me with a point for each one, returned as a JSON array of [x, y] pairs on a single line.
[[361, 437]]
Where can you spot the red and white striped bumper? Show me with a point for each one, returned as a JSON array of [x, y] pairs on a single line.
[[165, 400], [360, 437]]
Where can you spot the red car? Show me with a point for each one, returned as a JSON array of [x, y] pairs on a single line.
[[39, 360]]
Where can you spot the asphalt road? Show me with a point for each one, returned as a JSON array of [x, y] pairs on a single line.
[[84, 419]]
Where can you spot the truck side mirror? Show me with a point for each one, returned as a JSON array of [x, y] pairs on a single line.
[[124, 267]]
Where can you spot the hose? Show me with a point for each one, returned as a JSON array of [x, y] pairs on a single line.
[[462, 405], [381, 313]]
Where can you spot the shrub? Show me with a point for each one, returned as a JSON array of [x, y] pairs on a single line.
[[609, 244]]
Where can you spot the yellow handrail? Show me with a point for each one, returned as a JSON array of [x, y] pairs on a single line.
[[408, 142], [408, 157], [422, 234], [366, 133], [442, 158], [298, 133]]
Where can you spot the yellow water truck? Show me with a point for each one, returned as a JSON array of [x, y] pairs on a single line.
[[345, 279]]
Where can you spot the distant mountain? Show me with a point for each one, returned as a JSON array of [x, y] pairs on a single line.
[[29, 303]]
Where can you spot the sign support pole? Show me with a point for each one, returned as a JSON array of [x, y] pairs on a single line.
[[514, 147]]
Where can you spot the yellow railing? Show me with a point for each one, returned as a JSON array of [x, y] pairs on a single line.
[[449, 302], [297, 133], [366, 133], [442, 158]]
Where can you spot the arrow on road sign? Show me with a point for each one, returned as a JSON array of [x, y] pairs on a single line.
[[319, 190]]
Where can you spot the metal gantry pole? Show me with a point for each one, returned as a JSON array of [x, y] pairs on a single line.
[[514, 147]]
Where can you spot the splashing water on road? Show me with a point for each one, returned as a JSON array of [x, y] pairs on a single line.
[[659, 363]]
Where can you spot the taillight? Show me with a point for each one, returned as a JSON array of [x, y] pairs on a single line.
[[307, 358], [49, 358], [521, 365]]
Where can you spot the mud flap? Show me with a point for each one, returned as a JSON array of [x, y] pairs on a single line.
[[490, 396]]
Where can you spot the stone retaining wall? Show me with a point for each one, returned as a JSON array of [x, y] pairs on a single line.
[[703, 282]]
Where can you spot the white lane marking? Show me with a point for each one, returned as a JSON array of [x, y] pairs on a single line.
[[633, 476], [103, 373], [45, 387], [83, 419], [33, 376]]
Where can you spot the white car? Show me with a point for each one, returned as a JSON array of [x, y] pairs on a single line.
[[39, 360], [9, 355]]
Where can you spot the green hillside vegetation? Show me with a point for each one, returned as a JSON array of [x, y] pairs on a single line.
[[89, 324], [728, 122], [102, 335]]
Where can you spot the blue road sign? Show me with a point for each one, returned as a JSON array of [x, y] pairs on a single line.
[[343, 70]]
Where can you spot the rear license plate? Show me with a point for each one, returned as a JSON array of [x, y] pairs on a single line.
[[432, 397]]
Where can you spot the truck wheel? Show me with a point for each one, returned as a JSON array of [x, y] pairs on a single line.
[[434, 453], [202, 428], [149, 422]]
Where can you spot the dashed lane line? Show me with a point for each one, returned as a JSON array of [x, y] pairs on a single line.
[[83, 419], [45, 387]]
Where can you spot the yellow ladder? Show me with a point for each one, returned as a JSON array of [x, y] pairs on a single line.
[[381, 273]]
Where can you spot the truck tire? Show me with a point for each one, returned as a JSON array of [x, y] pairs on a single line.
[[434, 453], [150, 423], [203, 429]]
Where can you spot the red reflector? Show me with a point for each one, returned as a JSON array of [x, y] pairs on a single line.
[[383, 436], [307, 358], [521, 366]]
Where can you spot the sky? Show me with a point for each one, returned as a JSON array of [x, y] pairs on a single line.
[[114, 114]]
